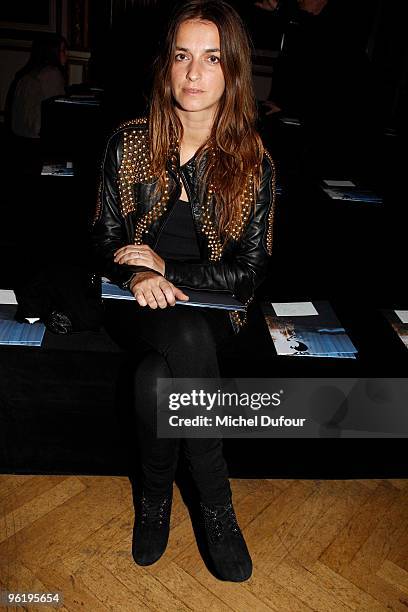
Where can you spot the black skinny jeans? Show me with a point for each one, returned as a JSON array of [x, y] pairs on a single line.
[[174, 342]]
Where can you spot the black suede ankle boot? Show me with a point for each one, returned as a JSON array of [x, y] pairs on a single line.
[[151, 529], [226, 544]]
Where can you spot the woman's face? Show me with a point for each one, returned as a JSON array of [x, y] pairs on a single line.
[[197, 80]]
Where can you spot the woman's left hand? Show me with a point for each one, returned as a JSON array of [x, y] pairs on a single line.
[[140, 255]]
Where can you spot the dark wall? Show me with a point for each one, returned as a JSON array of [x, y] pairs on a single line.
[[124, 34], [124, 37], [390, 62]]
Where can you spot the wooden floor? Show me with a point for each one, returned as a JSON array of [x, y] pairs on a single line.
[[316, 545]]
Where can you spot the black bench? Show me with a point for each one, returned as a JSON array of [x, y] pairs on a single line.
[[63, 411]]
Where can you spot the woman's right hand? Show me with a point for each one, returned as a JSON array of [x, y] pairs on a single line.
[[151, 289]]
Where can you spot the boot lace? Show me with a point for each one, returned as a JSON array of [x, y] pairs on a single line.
[[218, 520], [152, 512]]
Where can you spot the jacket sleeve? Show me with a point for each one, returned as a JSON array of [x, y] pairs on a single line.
[[242, 271], [109, 231]]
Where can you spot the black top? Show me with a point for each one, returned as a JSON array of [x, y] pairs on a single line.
[[178, 237]]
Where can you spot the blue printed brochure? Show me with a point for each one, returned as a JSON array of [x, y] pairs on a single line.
[[202, 298], [307, 329]]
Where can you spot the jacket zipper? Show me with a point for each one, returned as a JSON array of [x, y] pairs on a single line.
[[161, 229], [190, 201]]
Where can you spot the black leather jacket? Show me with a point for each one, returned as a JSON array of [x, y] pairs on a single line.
[[130, 212]]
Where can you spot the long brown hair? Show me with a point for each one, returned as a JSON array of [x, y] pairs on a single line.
[[236, 148]]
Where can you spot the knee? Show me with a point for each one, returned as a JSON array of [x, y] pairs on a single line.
[[147, 373], [152, 367]]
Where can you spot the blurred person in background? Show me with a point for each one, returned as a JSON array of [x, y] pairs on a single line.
[[42, 77]]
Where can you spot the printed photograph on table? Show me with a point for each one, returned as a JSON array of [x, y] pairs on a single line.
[[307, 329], [399, 322]]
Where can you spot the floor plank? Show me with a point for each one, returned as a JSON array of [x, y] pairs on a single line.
[[316, 545], [30, 512], [189, 590], [345, 546], [344, 590]]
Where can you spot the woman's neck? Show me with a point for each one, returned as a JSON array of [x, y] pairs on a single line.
[[196, 132]]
